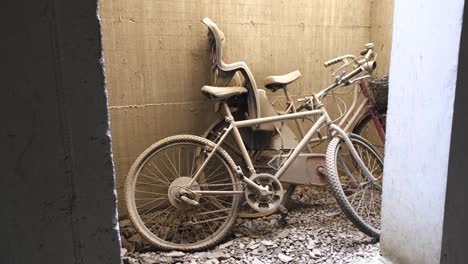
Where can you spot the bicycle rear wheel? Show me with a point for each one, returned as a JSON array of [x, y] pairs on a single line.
[[161, 202], [359, 198]]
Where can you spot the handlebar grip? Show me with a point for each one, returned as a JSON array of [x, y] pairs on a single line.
[[332, 61], [369, 66]]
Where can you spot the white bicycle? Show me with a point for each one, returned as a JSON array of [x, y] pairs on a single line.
[[184, 192]]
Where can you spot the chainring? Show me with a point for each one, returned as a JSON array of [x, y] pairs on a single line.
[[264, 202]]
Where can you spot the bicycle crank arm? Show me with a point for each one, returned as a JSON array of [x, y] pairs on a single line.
[[261, 189]]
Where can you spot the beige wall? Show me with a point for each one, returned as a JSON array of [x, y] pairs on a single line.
[[381, 32], [156, 57]]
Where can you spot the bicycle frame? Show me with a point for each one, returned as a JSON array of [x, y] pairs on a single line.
[[371, 110], [351, 117], [234, 126]]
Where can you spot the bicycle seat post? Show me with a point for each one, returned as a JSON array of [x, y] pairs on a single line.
[[291, 105]]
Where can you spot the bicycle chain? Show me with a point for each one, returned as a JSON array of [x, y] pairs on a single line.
[[205, 221], [217, 184], [211, 185]]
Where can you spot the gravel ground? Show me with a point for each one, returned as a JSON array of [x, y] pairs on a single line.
[[315, 231]]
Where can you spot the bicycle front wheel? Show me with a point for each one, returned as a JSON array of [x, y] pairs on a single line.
[[163, 202], [367, 129], [359, 197]]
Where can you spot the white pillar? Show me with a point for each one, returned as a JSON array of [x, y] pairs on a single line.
[[423, 75]]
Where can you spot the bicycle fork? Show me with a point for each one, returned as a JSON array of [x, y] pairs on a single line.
[[354, 153]]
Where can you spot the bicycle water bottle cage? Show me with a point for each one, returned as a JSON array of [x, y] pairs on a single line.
[[276, 82], [225, 72]]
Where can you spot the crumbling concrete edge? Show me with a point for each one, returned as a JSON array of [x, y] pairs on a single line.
[[115, 219]]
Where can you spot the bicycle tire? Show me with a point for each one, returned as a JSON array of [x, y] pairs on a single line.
[[369, 227], [130, 194], [367, 129]]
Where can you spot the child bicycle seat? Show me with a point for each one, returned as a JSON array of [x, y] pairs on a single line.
[[226, 71]]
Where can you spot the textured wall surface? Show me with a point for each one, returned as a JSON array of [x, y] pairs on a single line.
[[58, 199], [156, 56], [381, 32], [419, 128]]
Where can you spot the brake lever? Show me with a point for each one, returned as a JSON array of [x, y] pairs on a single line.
[[358, 79], [339, 77], [346, 63]]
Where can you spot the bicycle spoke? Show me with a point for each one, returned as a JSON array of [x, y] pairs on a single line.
[[179, 161], [177, 227], [214, 171], [155, 176], [150, 202], [158, 214], [162, 224], [139, 191], [216, 205], [151, 184], [162, 174], [369, 207], [214, 212], [173, 167], [193, 164], [154, 207], [219, 181]]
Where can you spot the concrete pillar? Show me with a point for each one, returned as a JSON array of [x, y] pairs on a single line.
[[58, 198], [423, 85]]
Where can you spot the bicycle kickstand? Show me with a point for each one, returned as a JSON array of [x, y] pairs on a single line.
[[284, 214]]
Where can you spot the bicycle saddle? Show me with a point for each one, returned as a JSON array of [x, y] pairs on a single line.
[[222, 93], [280, 81]]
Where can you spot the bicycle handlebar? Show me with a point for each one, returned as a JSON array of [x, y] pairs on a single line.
[[338, 59], [367, 53], [351, 74], [368, 66], [365, 63], [332, 61]]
